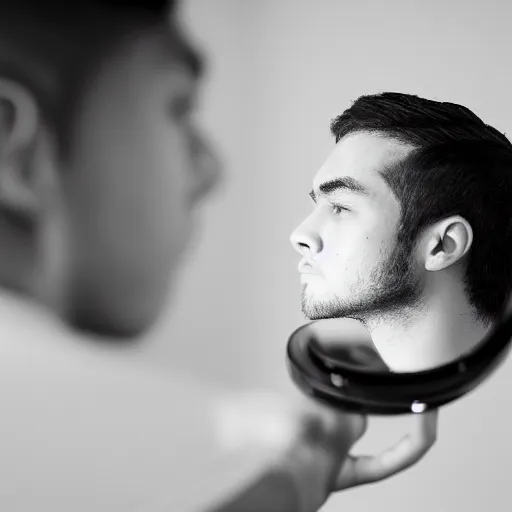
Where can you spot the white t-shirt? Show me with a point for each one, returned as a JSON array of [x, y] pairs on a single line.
[[83, 428]]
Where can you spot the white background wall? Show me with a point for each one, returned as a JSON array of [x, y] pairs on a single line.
[[279, 72]]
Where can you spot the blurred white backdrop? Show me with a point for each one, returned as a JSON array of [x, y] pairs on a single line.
[[279, 71]]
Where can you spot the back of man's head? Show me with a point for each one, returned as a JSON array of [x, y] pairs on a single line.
[[459, 166], [101, 163], [53, 47]]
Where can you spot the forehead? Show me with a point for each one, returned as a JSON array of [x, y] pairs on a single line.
[[158, 41], [361, 156], [156, 56]]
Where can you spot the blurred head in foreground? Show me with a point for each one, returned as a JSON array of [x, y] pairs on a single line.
[[101, 164]]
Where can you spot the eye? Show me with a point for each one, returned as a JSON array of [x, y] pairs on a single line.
[[338, 209]]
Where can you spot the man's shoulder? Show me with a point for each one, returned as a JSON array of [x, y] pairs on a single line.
[[152, 435], [37, 345]]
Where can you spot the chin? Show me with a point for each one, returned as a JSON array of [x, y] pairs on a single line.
[[106, 329], [123, 323], [313, 312], [316, 308], [316, 316]]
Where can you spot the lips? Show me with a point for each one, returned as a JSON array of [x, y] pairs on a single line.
[[306, 268]]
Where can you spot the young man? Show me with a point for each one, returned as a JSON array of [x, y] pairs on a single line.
[[411, 232], [101, 167]]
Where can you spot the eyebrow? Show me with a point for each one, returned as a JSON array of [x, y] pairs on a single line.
[[345, 183]]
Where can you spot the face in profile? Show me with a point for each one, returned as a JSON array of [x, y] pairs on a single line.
[[137, 168], [353, 264]]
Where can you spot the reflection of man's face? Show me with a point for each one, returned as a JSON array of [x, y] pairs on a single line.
[[352, 265], [138, 167]]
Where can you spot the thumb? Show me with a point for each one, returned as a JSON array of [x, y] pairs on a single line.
[[407, 452]]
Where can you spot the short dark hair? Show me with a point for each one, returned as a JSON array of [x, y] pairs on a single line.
[[458, 165]]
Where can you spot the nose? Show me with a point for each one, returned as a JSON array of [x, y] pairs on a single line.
[[207, 167], [306, 241]]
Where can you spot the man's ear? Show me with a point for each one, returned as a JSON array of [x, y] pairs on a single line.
[[19, 125], [445, 243]]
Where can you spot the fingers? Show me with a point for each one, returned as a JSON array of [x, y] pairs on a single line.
[[368, 469]]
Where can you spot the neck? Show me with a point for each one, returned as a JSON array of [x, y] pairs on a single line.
[[441, 330]]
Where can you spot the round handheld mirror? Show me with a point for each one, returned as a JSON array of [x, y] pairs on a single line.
[[335, 362]]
